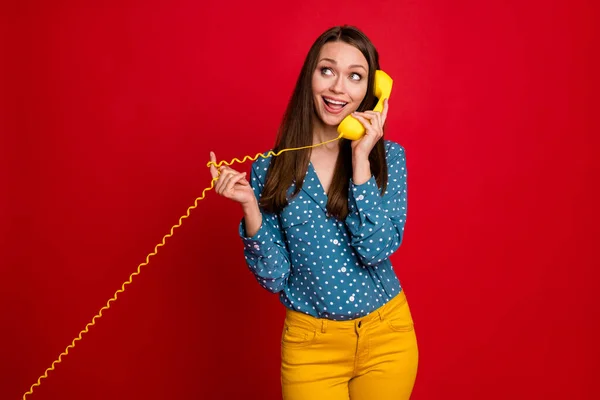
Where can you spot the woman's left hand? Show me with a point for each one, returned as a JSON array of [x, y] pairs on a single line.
[[373, 122]]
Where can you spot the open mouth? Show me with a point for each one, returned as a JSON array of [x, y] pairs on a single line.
[[333, 106]]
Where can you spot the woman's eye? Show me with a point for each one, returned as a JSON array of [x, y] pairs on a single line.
[[355, 76], [326, 71]]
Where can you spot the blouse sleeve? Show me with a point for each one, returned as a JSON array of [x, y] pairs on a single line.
[[266, 253], [376, 223]]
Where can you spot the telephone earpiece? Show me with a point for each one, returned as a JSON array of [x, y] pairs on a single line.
[[351, 128]]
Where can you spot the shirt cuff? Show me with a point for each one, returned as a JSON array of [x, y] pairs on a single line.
[[260, 243], [364, 196]]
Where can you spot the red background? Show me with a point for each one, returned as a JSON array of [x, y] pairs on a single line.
[[108, 116]]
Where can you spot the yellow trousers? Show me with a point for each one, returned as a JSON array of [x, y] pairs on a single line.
[[370, 358]]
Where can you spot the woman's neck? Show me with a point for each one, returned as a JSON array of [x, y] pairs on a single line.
[[323, 133]]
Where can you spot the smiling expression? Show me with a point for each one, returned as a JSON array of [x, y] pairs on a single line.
[[339, 83]]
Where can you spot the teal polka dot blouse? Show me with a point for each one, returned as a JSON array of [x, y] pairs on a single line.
[[325, 267]]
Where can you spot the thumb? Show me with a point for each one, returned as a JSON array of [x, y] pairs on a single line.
[[243, 181]]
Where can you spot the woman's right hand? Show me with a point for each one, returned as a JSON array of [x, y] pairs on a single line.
[[231, 183]]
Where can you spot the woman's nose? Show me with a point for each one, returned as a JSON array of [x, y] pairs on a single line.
[[338, 86]]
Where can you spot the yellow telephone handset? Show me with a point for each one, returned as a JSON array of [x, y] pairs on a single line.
[[351, 128]]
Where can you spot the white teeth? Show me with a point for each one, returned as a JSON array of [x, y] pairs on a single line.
[[341, 103]]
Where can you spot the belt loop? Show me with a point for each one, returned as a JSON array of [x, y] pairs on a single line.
[[384, 310], [323, 326]]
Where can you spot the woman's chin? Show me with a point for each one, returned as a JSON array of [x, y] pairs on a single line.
[[332, 120]]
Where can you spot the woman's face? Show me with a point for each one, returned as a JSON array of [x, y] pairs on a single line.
[[339, 83]]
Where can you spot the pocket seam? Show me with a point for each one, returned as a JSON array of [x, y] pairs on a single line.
[[400, 328], [308, 337]]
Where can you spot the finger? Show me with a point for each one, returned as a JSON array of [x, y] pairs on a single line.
[[366, 123], [230, 178], [213, 170], [372, 117], [362, 114], [384, 113], [371, 112], [223, 180], [375, 119], [226, 174], [219, 182], [232, 182], [244, 181], [225, 168]]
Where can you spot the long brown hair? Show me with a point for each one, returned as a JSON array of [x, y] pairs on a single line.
[[296, 130]]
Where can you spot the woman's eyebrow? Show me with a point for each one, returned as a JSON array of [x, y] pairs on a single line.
[[335, 62]]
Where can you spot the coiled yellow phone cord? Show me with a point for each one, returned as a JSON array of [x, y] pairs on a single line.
[[128, 282]]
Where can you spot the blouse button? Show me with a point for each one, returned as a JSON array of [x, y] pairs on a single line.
[[335, 241], [360, 197]]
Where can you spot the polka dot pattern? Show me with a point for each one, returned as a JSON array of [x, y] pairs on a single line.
[[325, 267]]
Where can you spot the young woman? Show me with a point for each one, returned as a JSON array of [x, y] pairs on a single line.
[[320, 225]]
